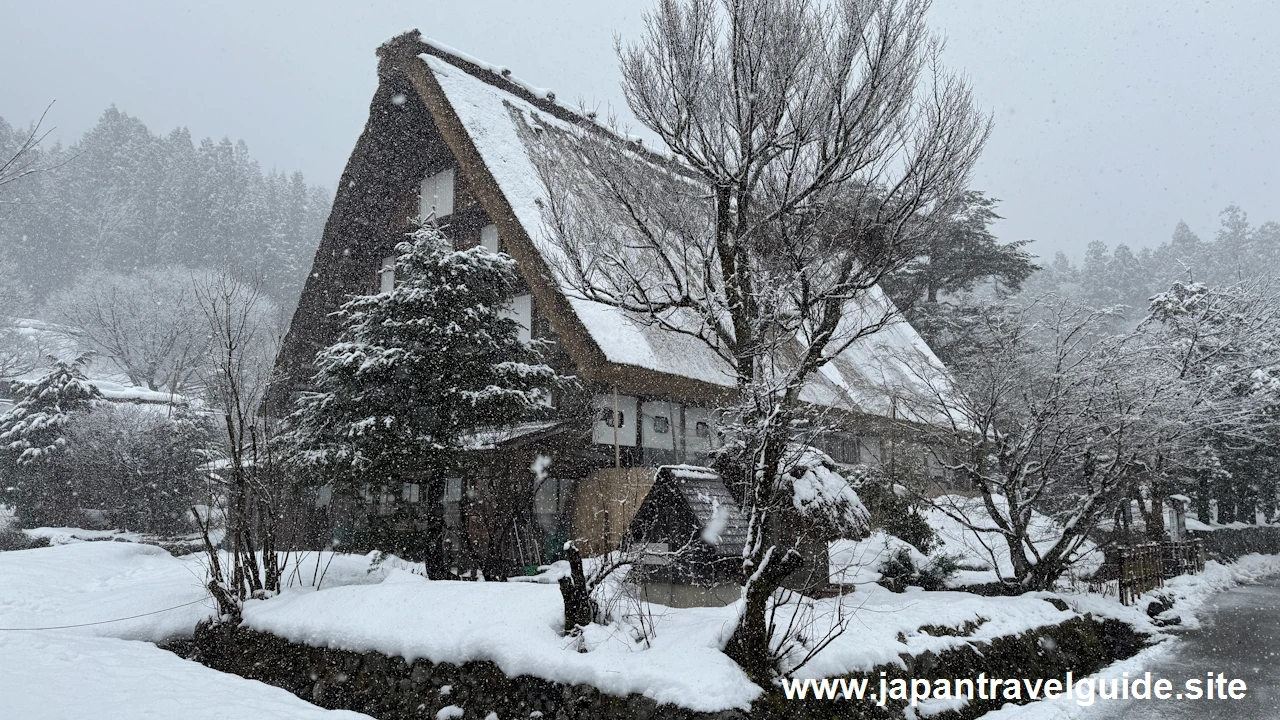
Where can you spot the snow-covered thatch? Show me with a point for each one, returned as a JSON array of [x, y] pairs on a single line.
[[499, 128]]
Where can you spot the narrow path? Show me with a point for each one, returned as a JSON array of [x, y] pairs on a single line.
[[1239, 637]]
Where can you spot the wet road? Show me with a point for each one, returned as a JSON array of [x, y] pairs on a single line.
[[1239, 637]]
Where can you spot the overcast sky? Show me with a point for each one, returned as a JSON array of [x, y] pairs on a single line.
[[1113, 119]]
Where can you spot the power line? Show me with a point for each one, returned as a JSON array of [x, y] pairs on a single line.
[[104, 622]]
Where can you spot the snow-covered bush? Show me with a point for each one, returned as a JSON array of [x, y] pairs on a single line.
[[14, 539], [36, 478], [891, 508], [900, 570], [823, 497], [139, 465]]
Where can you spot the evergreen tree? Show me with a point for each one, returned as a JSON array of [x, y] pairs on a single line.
[[416, 369], [963, 253], [123, 199], [35, 476], [939, 291]]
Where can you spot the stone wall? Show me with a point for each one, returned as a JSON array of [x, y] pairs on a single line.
[[390, 688], [1226, 545]]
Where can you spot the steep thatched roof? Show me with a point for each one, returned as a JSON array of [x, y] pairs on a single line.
[[484, 116]]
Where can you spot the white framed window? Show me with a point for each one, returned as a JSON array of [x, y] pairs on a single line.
[[602, 431], [489, 238], [411, 492], [435, 196], [387, 275], [699, 430], [521, 310], [655, 425]]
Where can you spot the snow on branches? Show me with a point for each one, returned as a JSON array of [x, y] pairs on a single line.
[[35, 427], [417, 369]]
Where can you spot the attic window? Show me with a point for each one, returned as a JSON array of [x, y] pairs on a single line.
[[661, 425], [387, 275], [606, 417], [702, 429], [435, 196], [489, 238]]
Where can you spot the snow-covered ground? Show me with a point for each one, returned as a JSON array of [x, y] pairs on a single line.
[[61, 676], [516, 626], [110, 670], [119, 596]]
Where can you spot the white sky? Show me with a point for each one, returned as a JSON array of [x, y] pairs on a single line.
[[1113, 119]]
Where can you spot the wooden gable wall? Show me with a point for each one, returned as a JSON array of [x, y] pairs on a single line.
[[376, 199]]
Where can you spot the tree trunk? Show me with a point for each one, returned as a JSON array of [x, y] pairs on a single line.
[[1202, 500], [434, 559], [579, 610], [749, 644]]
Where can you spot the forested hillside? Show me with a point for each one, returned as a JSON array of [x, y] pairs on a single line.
[[123, 199], [1239, 252]]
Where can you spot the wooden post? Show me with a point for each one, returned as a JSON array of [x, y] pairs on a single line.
[[617, 452]]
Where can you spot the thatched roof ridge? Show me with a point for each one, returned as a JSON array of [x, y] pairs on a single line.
[[413, 43]]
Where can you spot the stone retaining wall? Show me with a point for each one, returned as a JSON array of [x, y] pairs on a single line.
[[390, 688], [1227, 544]]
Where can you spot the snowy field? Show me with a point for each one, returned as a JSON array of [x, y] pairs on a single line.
[[61, 676], [111, 668]]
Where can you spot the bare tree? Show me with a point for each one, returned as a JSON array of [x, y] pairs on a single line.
[[244, 335], [1058, 418], [149, 324], [813, 145], [24, 158]]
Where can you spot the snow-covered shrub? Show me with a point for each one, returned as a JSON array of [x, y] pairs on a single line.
[[139, 465], [890, 507], [900, 570], [15, 539], [823, 497]]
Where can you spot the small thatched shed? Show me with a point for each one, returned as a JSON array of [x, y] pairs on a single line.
[[692, 532]]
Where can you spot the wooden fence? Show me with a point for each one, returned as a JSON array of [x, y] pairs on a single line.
[[1137, 569]]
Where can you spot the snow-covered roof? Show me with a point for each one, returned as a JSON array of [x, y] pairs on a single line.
[[501, 118], [721, 522], [59, 341]]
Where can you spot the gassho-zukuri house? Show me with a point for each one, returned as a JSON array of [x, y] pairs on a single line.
[[449, 135]]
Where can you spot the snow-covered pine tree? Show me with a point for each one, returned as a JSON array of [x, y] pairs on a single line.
[[35, 478], [415, 370]]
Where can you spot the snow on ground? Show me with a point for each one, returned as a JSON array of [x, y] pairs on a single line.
[[59, 676], [384, 604], [103, 671], [94, 581], [516, 626], [68, 535], [879, 618], [88, 582]]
